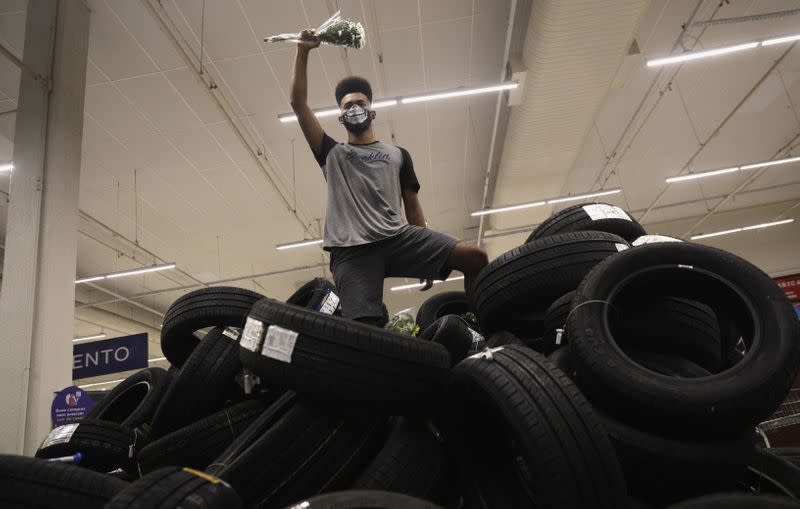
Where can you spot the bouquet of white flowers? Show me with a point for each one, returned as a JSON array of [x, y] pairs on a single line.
[[336, 31]]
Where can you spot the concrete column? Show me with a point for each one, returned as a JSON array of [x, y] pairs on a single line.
[[38, 288]]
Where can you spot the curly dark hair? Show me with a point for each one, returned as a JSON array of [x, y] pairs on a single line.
[[353, 84]]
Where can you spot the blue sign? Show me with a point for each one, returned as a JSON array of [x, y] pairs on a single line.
[[109, 356], [70, 405]]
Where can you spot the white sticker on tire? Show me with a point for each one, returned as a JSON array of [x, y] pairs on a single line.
[[599, 211], [621, 247], [253, 332], [652, 239], [232, 332], [60, 435], [329, 304], [279, 343]]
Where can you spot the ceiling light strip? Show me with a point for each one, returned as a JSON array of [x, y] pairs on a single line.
[[696, 55], [742, 229], [6, 166], [550, 201], [300, 243], [420, 285], [125, 273], [383, 103], [89, 338], [712, 173], [157, 359]]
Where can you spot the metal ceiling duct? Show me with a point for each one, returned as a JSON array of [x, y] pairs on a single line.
[[572, 52]]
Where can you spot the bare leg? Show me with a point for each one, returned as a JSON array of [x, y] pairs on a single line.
[[470, 260]]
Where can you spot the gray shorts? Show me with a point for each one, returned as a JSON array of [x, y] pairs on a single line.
[[358, 271]]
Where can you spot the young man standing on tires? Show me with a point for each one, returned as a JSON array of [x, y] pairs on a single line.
[[365, 231]]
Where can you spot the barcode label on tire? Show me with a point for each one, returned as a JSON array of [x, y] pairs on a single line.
[[279, 343], [598, 211], [60, 435], [252, 334], [329, 304]]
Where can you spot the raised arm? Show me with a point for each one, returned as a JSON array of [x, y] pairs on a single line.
[[299, 94]]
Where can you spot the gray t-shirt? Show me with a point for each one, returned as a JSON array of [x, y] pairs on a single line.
[[365, 184]]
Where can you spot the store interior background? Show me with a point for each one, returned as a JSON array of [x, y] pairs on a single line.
[[174, 171]]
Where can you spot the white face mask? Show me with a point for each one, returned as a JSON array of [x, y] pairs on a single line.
[[357, 119]]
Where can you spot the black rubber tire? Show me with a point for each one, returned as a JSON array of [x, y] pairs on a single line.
[[769, 473], [199, 443], [738, 501], [561, 359], [205, 381], [671, 325], [439, 305], [104, 446], [554, 319], [176, 488], [412, 462], [529, 278], [298, 449], [312, 294], [522, 435], [453, 333], [35, 483], [363, 500], [220, 306], [669, 365], [575, 219], [503, 338], [344, 361], [133, 401], [659, 469], [790, 454], [739, 293]]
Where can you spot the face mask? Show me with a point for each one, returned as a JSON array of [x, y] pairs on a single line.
[[357, 119]]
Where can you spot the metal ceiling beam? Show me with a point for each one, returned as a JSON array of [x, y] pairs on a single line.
[[501, 110], [716, 131], [186, 52], [742, 19]]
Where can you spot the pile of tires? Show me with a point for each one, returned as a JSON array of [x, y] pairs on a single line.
[[609, 371]]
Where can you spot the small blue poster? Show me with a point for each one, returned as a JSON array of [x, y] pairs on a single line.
[[70, 405]]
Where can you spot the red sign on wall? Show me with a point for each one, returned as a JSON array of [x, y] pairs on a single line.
[[790, 286]]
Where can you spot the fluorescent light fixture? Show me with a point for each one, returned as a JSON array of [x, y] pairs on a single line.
[[420, 285], [583, 196], [485, 212], [88, 338], [113, 275], [551, 201], [300, 243], [460, 92], [767, 225], [144, 270], [781, 40], [766, 164], [101, 383], [699, 175], [89, 279], [742, 229], [6, 167], [382, 103], [156, 359], [703, 174], [695, 55], [329, 112]]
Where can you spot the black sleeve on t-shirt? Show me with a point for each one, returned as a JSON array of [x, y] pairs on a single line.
[[408, 179], [327, 144]]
